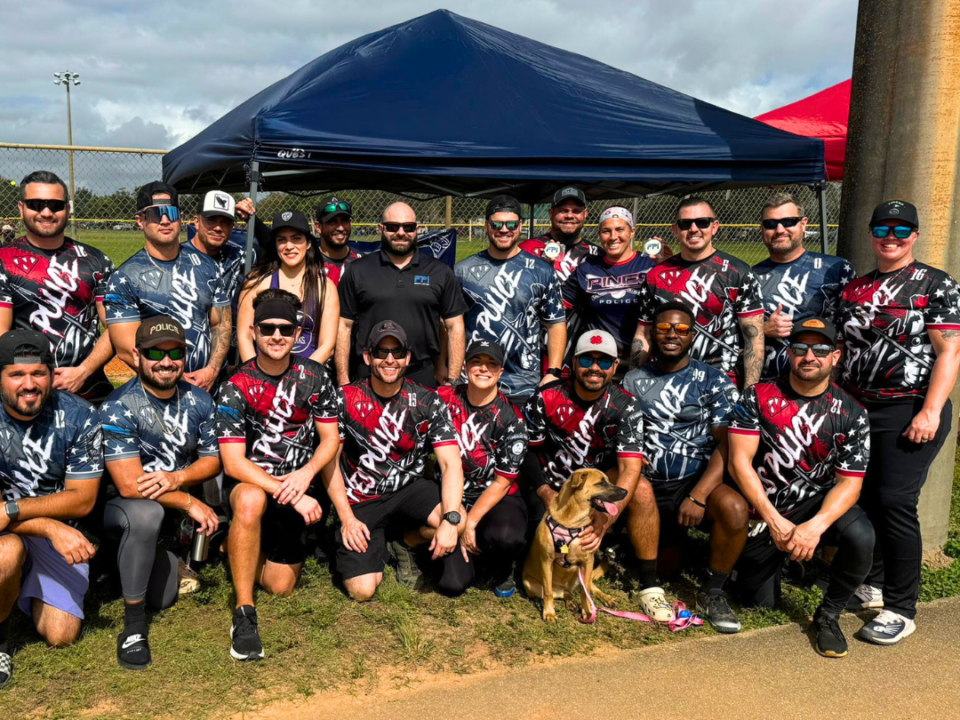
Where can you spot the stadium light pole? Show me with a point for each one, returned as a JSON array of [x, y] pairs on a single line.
[[66, 79]]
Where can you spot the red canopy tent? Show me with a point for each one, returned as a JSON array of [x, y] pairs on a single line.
[[823, 115]]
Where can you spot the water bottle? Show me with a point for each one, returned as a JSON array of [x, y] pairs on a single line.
[[200, 548]]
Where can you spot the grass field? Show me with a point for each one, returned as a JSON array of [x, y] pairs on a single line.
[[317, 639]]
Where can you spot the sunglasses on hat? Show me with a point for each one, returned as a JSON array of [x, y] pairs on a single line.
[[787, 222], [900, 232], [338, 207], [702, 223]]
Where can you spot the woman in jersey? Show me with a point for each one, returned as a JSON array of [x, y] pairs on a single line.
[[604, 290], [900, 326], [299, 270]]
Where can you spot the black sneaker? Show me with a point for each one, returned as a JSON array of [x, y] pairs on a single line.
[[716, 608], [405, 562], [830, 640], [6, 668], [246, 643], [133, 650]]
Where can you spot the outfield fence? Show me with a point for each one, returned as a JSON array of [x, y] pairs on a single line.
[[104, 204]]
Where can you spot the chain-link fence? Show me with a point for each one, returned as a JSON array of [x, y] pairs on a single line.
[[105, 181]]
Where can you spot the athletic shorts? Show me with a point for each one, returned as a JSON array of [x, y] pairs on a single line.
[[406, 509], [281, 533], [669, 497], [50, 579]]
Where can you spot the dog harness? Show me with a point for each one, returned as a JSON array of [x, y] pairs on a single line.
[[562, 538]]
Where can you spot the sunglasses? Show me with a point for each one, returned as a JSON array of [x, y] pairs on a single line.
[[156, 354], [38, 204], [154, 213], [900, 232], [268, 329], [588, 361], [382, 353], [500, 224], [337, 207], [681, 329], [392, 227], [820, 350], [702, 223], [787, 222]]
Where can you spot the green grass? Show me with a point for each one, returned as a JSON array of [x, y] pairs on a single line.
[[317, 639]]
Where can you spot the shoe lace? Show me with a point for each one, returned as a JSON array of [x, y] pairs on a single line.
[[246, 624], [886, 617], [717, 604], [831, 623]]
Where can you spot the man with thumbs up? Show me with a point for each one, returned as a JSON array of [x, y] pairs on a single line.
[[796, 283]]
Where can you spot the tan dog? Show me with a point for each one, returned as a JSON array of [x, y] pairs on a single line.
[[556, 557]]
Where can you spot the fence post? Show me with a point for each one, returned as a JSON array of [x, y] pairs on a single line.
[[822, 199], [448, 212], [254, 182]]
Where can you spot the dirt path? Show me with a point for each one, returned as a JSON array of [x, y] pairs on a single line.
[[771, 673]]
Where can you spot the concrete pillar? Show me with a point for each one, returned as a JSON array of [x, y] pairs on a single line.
[[904, 142]]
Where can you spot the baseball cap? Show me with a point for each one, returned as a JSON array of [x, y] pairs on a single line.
[[339, 207], [292, 219], [217, 203], [596, 341], [145, 195], [24, 347], [898, 210], [569, 193], [818, 325], [503, 203], [485, 347], [386, 328], [160, 329]]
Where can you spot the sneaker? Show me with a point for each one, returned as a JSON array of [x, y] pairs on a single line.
[[716, 608], [246, 643], [187, 578], [654, 605], [866, 597], [830, 640], [133, 650], [6, 668], [887, 628], [405, 562], [507, 588]]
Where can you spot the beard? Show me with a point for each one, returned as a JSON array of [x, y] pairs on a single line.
[[47, 232], [390, 247], [149, 378], [567, 239], [26, 408]]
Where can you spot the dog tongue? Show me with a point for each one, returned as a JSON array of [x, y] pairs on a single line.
[[610, 508]]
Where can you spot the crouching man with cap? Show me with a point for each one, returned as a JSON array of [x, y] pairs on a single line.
[[799, 449], [51, 460], [270, 414], [160, 440], [388, 424]]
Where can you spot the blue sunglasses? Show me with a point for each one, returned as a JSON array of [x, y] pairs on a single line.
[[587, 362], [900, 232], [154, 213]]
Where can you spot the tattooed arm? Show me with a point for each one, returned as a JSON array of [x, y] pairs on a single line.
[[220, 327], [752, 330], [640, 349], [946, 344]]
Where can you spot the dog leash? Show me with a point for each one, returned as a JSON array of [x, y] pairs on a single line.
[[677, 624]]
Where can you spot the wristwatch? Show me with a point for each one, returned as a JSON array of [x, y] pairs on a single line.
[[556, 372], [452, 517], [13, 510]]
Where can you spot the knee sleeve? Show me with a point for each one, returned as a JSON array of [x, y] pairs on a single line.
[[135, 526], [163, 586]]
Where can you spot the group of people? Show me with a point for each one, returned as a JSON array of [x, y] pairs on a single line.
[[437, 412]]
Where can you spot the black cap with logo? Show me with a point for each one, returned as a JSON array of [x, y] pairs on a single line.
[[485, 347], [569, 193], [818, 325], [25, 347], [290, 219], [898, 210], [333, 206], [386, 328], [145, 195], [160, 329]]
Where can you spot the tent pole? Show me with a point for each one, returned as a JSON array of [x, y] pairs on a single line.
[[254, 182], [822, 199], [533, 218]]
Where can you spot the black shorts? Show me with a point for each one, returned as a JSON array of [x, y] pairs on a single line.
[[669, 497], [406, 509], [282, 532]]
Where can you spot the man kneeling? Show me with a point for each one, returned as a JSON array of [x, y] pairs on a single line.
[[270, 455], [378, 486], [799, 448]]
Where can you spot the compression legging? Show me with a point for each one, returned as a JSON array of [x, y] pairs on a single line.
[[145, 571]]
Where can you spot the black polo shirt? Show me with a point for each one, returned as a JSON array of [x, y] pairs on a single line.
[[416, 296]]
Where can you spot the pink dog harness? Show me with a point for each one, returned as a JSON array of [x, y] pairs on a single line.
[[562, 539]]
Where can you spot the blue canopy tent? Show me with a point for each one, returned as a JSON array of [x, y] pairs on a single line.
[[446, 105]]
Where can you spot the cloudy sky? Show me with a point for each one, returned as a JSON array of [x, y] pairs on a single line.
[[154, 74]]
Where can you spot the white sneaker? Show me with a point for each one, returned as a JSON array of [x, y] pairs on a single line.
[[867, 597], [189, 583], [654, 605], [887, 628]]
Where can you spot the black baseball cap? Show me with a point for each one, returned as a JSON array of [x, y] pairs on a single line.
[[290, 219], [569, 193], [818, 325], [145, 195], [898, 210], [485, 347], [503, 203], [386, 328], [160, 329], [340, 207], [25, 347]]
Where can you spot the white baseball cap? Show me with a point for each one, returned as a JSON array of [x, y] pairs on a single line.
[[218, 203], [596, 341]]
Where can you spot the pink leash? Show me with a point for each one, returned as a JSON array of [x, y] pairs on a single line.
[[678, 623]]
